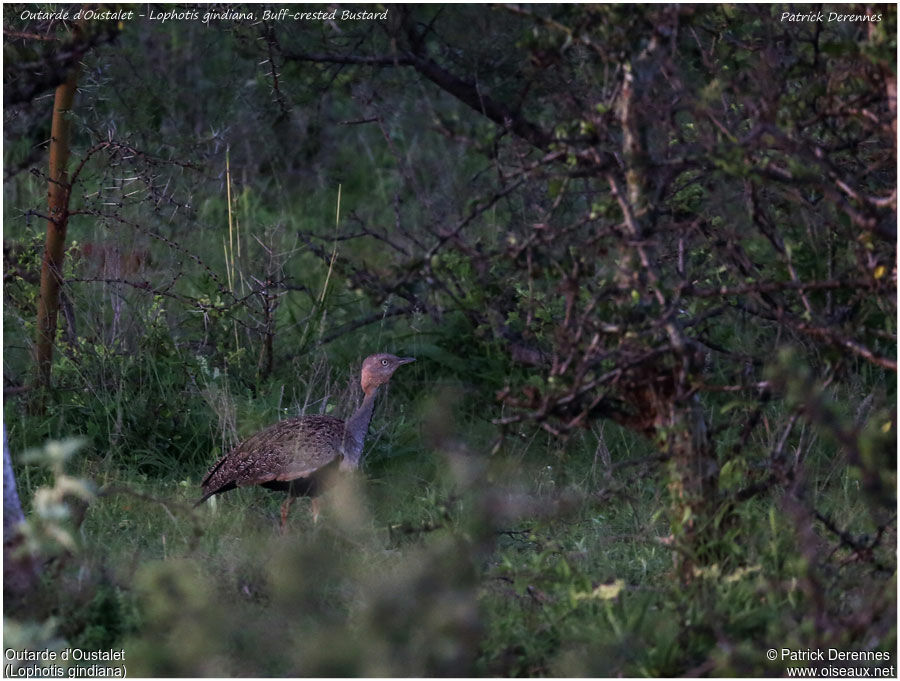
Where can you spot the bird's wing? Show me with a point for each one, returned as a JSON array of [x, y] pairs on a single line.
[[289, 474], [318, 444], [287, 450], [212, 471]]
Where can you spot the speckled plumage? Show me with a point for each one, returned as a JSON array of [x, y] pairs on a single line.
[[296, 455], [295, 448]]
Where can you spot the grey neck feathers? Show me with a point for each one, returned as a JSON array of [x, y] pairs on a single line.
[[355, 431]]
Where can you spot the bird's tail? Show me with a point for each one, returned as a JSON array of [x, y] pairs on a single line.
[[203, 498]]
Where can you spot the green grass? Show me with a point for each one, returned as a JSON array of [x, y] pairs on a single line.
[[452, 553], [430, 564]]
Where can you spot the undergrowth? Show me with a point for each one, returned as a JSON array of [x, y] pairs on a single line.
[[440, 559]]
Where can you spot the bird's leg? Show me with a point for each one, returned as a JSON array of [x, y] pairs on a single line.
[[285, 508], [314, 506]]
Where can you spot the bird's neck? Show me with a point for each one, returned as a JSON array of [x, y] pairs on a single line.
[[356, 428]]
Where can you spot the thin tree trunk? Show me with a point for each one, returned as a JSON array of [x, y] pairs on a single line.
[[58, 214], [681, 425]]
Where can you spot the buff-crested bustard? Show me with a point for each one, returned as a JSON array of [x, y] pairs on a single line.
[[298, 455]]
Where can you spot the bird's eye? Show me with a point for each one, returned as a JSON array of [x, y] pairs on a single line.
[[384, 362]]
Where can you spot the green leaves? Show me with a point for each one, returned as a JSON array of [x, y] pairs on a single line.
[[48, 530]]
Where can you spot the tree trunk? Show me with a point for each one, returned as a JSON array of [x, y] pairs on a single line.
[[681, 428], [20, 570], [58, 217]]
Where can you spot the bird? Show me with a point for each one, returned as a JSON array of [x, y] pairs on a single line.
[[299, 455]]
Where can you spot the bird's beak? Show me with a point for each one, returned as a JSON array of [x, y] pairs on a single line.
[[406, 360]]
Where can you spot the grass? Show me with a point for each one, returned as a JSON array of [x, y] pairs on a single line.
[[431, 564], [454, 554]]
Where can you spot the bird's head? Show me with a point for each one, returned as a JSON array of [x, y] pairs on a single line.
[[378, 369]]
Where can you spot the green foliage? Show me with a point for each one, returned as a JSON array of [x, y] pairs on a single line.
[[522, 506], [49, 531]]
